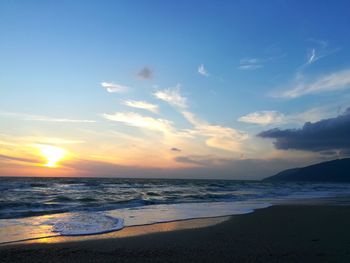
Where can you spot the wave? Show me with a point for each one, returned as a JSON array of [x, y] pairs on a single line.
[[23, 197]]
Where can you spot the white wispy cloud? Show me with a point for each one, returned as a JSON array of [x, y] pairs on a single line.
[[303, 85], [312, 56], [53, 140], [315, 54], [137, 120], [250, 63], [202, 71], [330, 82], [319, 50], [218, 136], [29, 117], [142, 105], [113, 87], [311, 115], [172, 96], [38, 139], [263, 117]]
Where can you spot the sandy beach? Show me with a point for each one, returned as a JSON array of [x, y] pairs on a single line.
[[288, 233]]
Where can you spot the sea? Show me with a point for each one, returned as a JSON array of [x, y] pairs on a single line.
[[32, 208]]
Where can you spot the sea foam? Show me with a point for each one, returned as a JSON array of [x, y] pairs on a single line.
[[85, 224]]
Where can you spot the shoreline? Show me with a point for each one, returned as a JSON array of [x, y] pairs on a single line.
[[128, 231], [280, 233], [36, 228], [174, 225]]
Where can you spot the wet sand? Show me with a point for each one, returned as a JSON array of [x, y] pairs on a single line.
[[285, 233]]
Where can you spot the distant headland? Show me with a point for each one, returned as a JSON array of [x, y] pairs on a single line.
[[336, 171]]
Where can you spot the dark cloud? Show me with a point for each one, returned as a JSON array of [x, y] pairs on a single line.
[[174, 149], [329, 153], [323, 136], [145, 73]]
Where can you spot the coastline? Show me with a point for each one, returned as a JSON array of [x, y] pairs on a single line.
[[281, 233], [128, 231]]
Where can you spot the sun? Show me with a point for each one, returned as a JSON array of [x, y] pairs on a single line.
[[52, 154]]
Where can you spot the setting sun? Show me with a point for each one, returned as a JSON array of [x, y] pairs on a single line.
[[52, 154]]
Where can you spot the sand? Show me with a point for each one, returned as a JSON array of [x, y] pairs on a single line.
[[285, 233]]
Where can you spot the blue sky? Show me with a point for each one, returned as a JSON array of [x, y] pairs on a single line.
[[217, 74]]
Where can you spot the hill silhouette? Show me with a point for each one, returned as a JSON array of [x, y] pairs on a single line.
[[331, 171]]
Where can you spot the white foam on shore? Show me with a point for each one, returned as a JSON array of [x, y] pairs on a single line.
[[77, 224]]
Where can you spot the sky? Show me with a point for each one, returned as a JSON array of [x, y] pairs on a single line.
[[172, 89]]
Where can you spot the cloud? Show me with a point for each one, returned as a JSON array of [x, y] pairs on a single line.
[[113, 87], [315, 54], [219, 167], [48, 119], [206, 166], [325, 135], [274, 117], [137, 120], [153, 124], [250, 64], [331, 82], [312, 56], [202, 160], [141, 105], [256, 63], [319, 50], [145, 73], [29, 117], [17, 141], [263, 117], [249, 67], [202, 71], [174, 149], [311, 115], [172, 96], [18, 159], [220, 137], [52, 140], [326, 82]]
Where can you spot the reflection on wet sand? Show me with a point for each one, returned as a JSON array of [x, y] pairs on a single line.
[[138, 230], [25, 228]]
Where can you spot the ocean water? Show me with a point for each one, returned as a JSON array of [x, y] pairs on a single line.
[[41, 207]]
